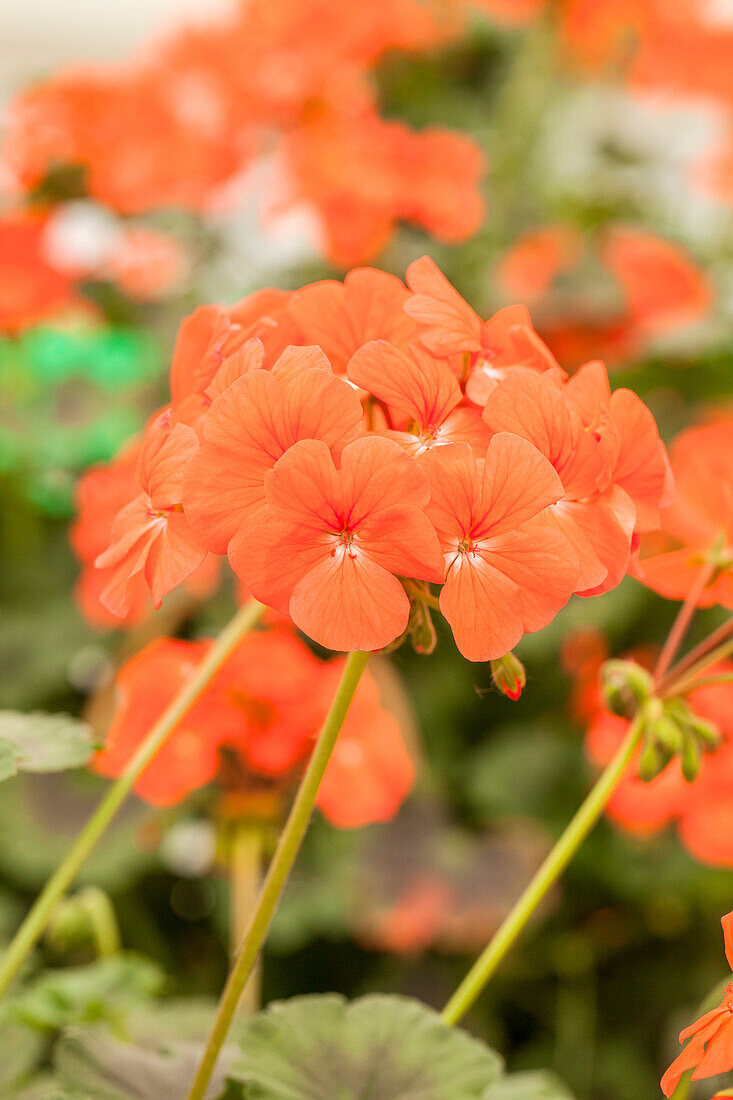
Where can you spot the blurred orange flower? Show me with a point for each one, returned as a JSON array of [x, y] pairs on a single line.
[[31, 289], [266, 704]]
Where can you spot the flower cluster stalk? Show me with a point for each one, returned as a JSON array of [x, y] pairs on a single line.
[[37, 919], [279, 869], [547, 875]]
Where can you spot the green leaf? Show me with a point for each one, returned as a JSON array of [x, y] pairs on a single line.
[[375, 1048], [42, 743], [94, 1065], [528, 1086], [103, 990]]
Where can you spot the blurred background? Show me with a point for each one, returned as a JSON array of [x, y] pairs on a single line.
[[596, 185]]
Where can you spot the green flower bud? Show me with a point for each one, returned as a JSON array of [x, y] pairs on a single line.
[[691, 757], [421, 628], [508, 675], [626, 686]]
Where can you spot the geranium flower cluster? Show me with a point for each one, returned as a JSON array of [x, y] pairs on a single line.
[[701, 811], [278, 80], [351, 444], [265, 705], [656, 289]]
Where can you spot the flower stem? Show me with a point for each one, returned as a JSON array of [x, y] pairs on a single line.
[[683, 1089], [277, 874], [37, 919], [683, 682], [245, 876], [550, 871], [696, 655], [683, 620]]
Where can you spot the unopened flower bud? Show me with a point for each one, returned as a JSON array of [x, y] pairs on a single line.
[[706, 732], [691, 757], [653, 760], [626, 686], [508, 675], [82, 923], [668, 734], [421, 629]]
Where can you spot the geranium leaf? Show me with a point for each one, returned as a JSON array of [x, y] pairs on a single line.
[[42, 742], [528, 1086], [97, 1066], [375, 1048]]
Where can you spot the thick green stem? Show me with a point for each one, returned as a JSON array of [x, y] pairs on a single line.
[[548, 874], [282, 862], [35, 922]]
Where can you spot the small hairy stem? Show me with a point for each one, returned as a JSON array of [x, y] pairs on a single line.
[[697, 656], [682, 622], [277, 874], [690, 683], [35, 922], [422, 595], [678, 684], [547, 875]]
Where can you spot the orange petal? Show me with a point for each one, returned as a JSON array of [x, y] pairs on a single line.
[[447, 323]]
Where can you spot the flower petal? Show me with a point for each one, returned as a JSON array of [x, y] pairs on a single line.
[[348, 602]]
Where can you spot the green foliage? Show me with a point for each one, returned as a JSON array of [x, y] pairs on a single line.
[[375, 1048], [42, 743], [103, 990]]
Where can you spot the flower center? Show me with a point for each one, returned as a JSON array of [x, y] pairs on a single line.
[[344, 542]]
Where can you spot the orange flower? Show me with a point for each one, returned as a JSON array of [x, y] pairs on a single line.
[[151, 536], [421, 390], [340, 317], [333, 542], [266, 704], [710, 1050], [448, 326], [528, 269], [31, 289], [506, 574], [250, 425], [362, 175], [370, 772], [211, 335], [598, 524], [698, 521], [100, 494], [662, 287]]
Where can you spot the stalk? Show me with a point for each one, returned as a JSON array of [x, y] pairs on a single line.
[[547, 875], [277, 875]]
